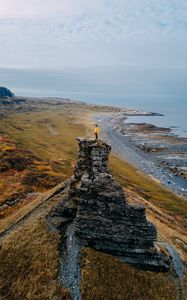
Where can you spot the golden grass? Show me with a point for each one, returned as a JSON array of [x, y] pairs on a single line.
[[105, 277], [30, 207], [57, 145], [22, 177], [50, 135], [29, 260], [29, 265]]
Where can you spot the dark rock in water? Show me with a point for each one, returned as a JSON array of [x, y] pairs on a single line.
[[102, 217], [4, 92]]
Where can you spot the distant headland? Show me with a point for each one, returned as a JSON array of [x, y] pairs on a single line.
[[5, 92]]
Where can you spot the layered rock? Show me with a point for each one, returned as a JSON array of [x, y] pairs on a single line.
[[102, 217]]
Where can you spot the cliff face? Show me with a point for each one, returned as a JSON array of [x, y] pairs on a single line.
[[101, 216]]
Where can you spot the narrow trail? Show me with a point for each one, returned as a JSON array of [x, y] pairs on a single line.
[[42, 199]]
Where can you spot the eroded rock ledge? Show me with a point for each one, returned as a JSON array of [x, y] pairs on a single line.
[[102, 218]]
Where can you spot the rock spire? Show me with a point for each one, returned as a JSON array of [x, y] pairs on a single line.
[[102, 217]]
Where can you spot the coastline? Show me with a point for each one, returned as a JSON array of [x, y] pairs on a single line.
[[48, 130], [153, 150]]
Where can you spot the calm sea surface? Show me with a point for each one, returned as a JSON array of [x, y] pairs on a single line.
[[175, 115], [174, 110], [50, 84]]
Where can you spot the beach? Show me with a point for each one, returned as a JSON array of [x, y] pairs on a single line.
[[154, 150]]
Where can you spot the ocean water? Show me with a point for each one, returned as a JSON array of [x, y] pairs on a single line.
[[73, 85], [168, 120], [174, 114], [174, 110]]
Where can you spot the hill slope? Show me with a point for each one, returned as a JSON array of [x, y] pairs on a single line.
[[30, 256]]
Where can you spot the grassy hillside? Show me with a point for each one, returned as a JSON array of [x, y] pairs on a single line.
[[29, 252], [29, 260], [105, 275], [37, 151]]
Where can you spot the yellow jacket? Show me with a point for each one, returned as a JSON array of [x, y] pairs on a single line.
[[96, 130]]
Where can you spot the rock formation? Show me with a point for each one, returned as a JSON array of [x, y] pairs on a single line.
[[101, 216], [4, 92]]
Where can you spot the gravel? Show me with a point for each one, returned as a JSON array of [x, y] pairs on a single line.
[[126, 148], [70, 263]]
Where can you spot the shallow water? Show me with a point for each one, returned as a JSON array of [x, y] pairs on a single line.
[[151, 163], [177, 123]]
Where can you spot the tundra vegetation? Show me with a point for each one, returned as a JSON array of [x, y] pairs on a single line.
[[37, 152]]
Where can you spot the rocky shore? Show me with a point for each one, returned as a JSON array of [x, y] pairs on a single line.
[[154, 150]]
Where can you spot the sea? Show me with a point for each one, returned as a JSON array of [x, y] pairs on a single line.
[[173, 109], [50, 84], [174, 114]]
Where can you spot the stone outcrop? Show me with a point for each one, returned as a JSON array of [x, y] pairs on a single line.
[[102, 217], [4, 92]]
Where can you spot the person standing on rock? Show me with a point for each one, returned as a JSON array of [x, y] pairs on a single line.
[[96, 131]]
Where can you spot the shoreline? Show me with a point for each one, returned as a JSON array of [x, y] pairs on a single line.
[[153, 150]]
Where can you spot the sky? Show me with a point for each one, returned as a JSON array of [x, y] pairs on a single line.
[[94, 49]]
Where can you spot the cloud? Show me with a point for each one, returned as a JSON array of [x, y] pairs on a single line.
[[31, 8], [124, 37], [46, 8]]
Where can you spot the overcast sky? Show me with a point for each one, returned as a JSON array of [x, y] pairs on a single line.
[[96, 46]]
